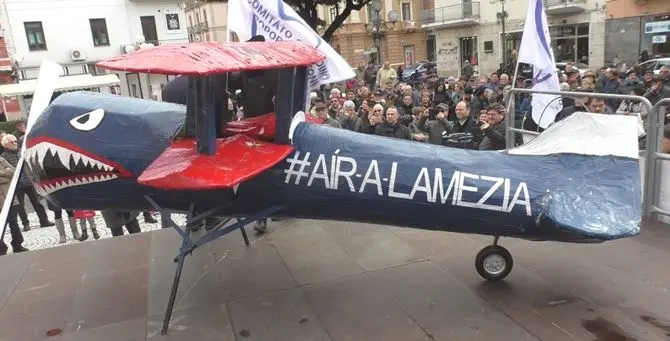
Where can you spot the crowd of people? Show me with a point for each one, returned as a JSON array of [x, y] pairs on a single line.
[[469, 112]]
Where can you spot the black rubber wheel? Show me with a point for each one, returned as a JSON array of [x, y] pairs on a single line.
[[494, 263]]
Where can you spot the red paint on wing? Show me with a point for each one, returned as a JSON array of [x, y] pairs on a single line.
[[260, 127], [237, 159], [209, 58]]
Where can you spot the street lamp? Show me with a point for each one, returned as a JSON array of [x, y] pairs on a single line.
[[379, 26]]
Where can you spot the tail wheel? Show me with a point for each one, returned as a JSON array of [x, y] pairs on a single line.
[[494, 263]]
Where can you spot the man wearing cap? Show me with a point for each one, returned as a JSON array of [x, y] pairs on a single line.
[[434, 126], [588, 80], [322, 113]]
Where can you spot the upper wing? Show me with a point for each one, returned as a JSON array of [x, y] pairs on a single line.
[[209, 58]]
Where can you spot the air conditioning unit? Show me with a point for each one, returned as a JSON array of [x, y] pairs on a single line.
[[77, 55]]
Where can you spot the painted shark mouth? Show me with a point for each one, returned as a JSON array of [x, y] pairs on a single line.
[[61, 165]]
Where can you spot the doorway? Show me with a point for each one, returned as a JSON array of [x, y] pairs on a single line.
[[149, 29], [430, 48]]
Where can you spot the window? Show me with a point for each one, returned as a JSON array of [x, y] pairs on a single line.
[[172, 21], [99, 32], [35, 36], [406, 11], [333, 13], [204, 16]]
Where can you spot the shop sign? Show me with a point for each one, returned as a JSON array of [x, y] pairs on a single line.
[[659, 39], [657, 27]]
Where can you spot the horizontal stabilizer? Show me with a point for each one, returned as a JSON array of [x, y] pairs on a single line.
[[237, 159]]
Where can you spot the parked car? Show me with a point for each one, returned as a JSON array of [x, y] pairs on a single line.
[[653, 65], [580, 67], [424, 67]]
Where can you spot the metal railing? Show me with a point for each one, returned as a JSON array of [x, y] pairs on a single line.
[[465, 10], [654, 137], [653, 170]]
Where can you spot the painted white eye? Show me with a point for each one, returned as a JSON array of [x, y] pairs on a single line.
[[88, 121]]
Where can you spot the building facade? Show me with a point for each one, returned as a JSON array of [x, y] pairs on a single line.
[[636, 25], [402, 41], [10, 105], [79, 33], [207, 20], [473, 31]]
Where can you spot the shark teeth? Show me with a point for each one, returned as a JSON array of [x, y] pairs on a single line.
[[82, 169], [38, 153], [46, 189]]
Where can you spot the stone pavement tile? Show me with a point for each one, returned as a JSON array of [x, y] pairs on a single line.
[[281, 315], [444, 307], [110, 298], [625, 255], [132, 330], [55, 265], [29, 313], [435, 243], [354, 308], [549, 312], [373, 247], [119, 253], [200, 282], [253, 270], [207, 323], [13, 268], [623, 296], [311, 254]]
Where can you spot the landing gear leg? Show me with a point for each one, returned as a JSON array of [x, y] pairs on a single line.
[[494, 262]]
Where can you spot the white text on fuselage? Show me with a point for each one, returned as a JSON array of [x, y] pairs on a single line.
[[335, 172]]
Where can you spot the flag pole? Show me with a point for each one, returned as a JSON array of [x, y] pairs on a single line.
[[509, 117]]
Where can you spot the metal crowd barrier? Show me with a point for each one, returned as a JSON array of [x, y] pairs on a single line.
[[651, 153], [653, 169]]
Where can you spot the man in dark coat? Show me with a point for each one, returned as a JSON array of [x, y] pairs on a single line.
[[393, 128]]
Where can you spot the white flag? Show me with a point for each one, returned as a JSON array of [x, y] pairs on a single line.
[[44, 89], [536, 50], [277, 21]]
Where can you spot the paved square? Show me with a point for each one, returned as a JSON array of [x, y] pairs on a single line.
[[328, 280]]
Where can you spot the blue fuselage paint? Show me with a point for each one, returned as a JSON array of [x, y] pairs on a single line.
[[337, 174]]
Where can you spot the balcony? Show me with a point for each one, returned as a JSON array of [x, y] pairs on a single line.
[[198, 27], [191, 4], [564, 7], [460, 15]]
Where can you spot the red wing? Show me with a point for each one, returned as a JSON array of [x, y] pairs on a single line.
[[260, 127], [209, 58], [237, 159]]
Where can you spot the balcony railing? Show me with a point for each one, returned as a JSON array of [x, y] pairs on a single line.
[[550, 3], [451, 13]]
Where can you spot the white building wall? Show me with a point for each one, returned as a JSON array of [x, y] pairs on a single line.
[[66, 26], [488, 29]]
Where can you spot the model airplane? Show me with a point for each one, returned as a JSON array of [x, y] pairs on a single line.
[[573, 183]]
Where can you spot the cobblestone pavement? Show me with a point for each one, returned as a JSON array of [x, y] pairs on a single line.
[[43, 238]]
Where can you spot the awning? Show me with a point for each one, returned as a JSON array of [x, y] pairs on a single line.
[[64, 83]]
